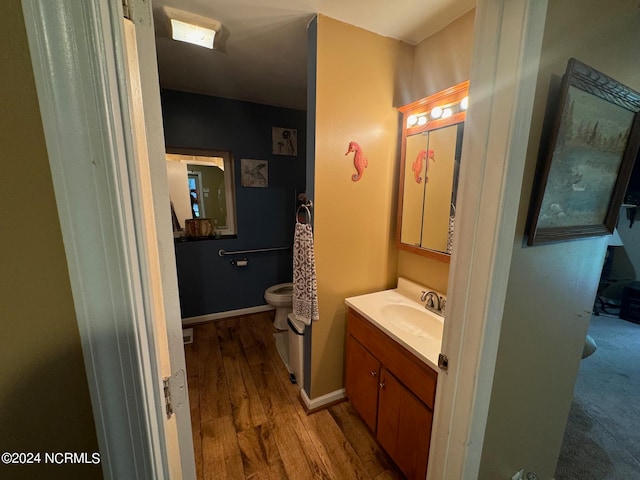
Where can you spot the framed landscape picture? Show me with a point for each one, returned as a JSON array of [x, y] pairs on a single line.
[[593, 145]]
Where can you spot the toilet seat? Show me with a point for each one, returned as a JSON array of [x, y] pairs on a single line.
[[283, 289], [280, 296], [282, 293]]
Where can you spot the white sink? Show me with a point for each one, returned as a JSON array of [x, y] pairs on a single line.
[[400, 314], [416, 321]]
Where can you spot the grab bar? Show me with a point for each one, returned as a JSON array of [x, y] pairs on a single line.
[[222, 252]]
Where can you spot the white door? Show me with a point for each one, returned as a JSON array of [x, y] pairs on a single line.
[[507, 43], [162, 295], [103, 147]]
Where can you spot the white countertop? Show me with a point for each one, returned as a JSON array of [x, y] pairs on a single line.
[[426, 345]]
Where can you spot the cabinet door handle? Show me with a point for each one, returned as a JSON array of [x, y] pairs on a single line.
[[381, 385], [373, 373]]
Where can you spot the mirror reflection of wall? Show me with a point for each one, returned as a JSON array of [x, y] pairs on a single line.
[[195, 193], [438, 199], [413, 195], [202, 186]]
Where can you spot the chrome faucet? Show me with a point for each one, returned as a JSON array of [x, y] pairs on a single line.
[[432, 301]]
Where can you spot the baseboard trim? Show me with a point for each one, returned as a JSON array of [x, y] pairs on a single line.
[[322, 401], [186, 322]]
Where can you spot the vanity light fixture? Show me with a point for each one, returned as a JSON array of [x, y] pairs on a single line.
[[420, 119], [417, 119]]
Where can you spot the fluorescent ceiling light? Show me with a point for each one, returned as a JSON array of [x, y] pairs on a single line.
[[187, 32]]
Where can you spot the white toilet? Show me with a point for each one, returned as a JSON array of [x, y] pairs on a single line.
[[281, 297]]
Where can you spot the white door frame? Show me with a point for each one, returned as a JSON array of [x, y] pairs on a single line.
[[76, 49], [119, 252], [507, 45]]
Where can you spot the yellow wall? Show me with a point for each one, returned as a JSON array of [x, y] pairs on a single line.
[[361, 80], [443, 59], [354, 221], [552, 287], [440, 61], [44, 397]]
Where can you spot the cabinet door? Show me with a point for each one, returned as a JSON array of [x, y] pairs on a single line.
[[404, 426], [361, 383]]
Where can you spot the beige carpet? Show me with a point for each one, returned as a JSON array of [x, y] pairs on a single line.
[[602, 440]]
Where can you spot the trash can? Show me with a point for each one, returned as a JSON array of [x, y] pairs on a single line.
[[296, 349]]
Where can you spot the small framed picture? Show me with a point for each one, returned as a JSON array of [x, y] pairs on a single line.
[[254, 173], [284, 141]]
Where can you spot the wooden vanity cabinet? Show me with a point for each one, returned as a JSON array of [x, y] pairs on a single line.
[[393, 392], [404, 426], [362, 379]]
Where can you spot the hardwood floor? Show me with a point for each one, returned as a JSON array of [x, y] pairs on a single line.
[[247, 419]]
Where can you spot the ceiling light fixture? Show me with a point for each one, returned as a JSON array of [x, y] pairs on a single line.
[[187, 32], [191, 28]]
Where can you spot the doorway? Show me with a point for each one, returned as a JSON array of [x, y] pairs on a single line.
[[603, 430], [491, 226]]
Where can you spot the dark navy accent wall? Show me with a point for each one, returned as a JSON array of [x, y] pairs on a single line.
[[209, 283], [312, 49]]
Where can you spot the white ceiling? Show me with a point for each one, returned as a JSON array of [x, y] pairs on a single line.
[[263, 50]]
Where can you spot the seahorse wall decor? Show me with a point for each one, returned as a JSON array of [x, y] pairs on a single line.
[[360, 162], [416, 166]]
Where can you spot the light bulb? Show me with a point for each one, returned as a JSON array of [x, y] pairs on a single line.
[[436, 112], [446, 113], [412, 120], [422, 120], [464, 103]]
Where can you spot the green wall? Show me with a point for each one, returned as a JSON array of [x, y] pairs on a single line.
[[44, 396]]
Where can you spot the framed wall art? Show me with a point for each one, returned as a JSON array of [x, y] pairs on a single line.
[[284, 141], [254, 173], [586, 166]]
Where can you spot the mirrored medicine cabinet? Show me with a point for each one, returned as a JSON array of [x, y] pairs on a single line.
[[432, 130]]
